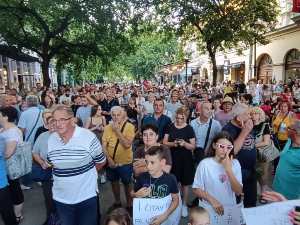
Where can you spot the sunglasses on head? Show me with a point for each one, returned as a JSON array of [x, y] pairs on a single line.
[[226, 147]]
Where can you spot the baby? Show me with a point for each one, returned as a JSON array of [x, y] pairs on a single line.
[[199, 216]]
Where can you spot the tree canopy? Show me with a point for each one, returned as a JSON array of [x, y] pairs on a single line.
[[216, 25], [67, 29]]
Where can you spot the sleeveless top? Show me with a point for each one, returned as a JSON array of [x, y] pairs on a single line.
[[97, 132], [282, 136]]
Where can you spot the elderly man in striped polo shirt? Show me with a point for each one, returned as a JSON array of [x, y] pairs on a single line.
[[75, 154]]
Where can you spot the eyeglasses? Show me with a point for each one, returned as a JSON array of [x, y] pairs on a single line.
[[227, 147], [61, 121], [288, 128]]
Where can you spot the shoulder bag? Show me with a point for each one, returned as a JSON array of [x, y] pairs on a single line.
[[20, 163], [39, 174], [106, 166], [34, 125], [267, 153]]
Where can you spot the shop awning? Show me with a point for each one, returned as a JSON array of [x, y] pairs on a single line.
[[16, 54]]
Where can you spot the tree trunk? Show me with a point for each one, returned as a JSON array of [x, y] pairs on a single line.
[[212, 56], [45, 71]]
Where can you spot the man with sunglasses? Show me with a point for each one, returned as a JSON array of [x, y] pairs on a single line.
[[76, 155], [287, 175], [241, 129]]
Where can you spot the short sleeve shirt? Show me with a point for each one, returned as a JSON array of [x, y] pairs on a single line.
[[123, 155], [223, 118], [140, 154], [160, 187], [162, 123], [74, 174], [212, 178]]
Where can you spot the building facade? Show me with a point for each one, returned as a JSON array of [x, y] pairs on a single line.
[[276, 61]]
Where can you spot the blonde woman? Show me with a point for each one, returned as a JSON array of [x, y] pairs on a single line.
[[261, 128], [180, 138]]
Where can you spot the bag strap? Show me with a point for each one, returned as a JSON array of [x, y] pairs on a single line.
[[208, 133], [34, 125], [118, 141], [281, 121]]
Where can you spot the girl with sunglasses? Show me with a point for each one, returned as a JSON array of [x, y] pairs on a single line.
[[218, 178]]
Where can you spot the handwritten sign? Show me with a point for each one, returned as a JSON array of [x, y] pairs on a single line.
[[232, 214], [271, 214], [145, 208]]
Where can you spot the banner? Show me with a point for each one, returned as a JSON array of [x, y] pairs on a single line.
[[145, 208], [296, 6], [271, 214], [232, 214]]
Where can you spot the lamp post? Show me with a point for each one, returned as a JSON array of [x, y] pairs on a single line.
[[256, 24], [186, 67]]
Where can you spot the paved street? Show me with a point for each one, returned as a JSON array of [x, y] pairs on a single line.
[[34, 207]]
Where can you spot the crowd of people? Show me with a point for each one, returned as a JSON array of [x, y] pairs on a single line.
[[151, 138]]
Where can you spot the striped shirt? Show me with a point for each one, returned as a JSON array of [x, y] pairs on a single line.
[[74, 173]]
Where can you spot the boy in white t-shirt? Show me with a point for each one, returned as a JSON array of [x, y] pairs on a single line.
[[254, 91]]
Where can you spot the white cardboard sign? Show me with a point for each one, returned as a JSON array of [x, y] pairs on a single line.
[[145, 208], [270, 214], [232, 214]]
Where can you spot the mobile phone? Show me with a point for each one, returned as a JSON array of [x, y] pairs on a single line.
[[177, 139], [297, 209]]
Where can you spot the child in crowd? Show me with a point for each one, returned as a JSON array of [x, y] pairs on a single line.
[[254, 92], [156, 183], [118, 217], [219, 173], [199, 216]]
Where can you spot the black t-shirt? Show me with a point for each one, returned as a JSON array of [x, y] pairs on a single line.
[[39, 131], [160, 187], [248, 154], [257, 129], [74, 108], [241, 88], [185, 134]]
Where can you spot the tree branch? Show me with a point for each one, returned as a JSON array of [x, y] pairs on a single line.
[[64, 25], [22, 26]]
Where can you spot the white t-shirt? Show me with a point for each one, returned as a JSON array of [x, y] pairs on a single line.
[[256, 97], [13, 134], [149, 107], [212, 178], [168, 114]]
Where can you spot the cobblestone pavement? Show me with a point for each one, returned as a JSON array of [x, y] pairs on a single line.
[[34, 208]]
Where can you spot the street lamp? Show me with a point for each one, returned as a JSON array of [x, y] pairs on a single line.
[[186, 67], [255, 25]]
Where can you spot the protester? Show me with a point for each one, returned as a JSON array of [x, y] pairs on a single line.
[[118, 217], [226, 115], [117, 147], [76, 99], [199, 215], [281, 119], [241, 129], [85, 111], [156, 178], [158, 118], [12, 136], [287, 176], [29, 121], [254, 92], [150, 135], [219, 173], [262, 129], [44, 128], [148, 106], [78, 172], [39, 154], [180, 138], [246, 99], [217, 107]]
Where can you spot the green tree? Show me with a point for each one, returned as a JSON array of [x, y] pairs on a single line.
[[217, 25], [67, 29]]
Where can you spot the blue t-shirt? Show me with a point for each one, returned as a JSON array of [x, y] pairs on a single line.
[[160, 187], [248, 154], [287, 178], [162, 123], [3, 177]]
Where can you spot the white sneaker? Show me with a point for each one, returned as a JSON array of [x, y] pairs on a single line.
[[102, 179], [184, 212], [39, 183], [23, 187]]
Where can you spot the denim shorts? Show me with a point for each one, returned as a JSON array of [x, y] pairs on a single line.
[[124, 172]]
